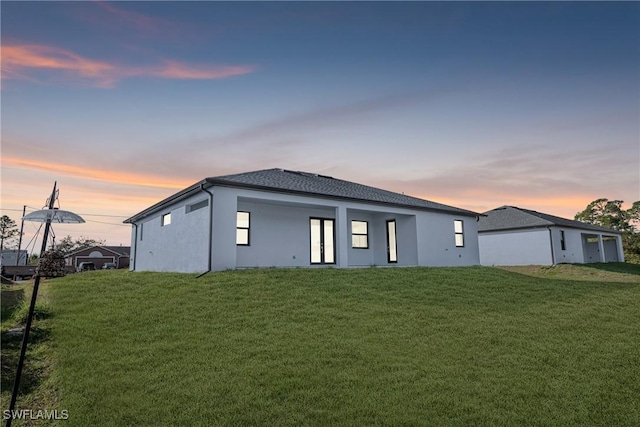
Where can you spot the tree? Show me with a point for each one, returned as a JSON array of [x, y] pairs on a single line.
[[51, 264], [610, 214], [68, 245], [607, 213], [634, 215], [8, 231]]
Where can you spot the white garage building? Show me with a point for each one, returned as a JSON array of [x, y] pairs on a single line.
[[514, 236]]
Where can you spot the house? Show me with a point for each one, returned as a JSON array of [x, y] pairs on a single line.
[[13, 257], [283, 218], [514, 236], [100, 255]]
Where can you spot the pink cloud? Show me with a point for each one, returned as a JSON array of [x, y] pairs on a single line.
[[178, 70], [138, 20], [19, 60], [16, 59]]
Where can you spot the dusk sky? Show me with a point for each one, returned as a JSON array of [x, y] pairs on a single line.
[[476, 105]]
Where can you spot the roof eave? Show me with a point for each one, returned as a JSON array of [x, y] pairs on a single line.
[[169, 200], [223, 183], [600, 230]]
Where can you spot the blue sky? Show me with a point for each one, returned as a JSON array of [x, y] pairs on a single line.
[[476, 105]]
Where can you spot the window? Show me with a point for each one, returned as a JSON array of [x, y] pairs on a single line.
[[166, 219], [242, 228], [563, 244], [141, 229], [198, 205], [323, 245], [359, 235], [392, 243], [459, 230]]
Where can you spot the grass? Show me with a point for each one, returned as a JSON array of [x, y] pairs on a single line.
[[404, 346], [609, 272], [36, 389]]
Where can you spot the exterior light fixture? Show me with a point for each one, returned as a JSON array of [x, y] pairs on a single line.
[[46, 216]]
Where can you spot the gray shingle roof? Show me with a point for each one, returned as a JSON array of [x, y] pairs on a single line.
[[309, 184], [322, 185], [120, 250], [511, 217]]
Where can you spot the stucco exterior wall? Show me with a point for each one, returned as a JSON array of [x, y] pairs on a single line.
[[287, 221], [181, 246], [364, 257], [280, 234], [611, 251], [515, 247], [591, 250], [573, 252], [533, 247], [436, 240]]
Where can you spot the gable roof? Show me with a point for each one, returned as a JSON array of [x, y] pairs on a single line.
[[118, 250], [511, 217], [308, 184]]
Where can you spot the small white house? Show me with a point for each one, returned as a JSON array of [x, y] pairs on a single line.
[[513, 236], [282, 218]]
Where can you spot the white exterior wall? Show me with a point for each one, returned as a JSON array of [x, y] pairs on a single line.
[[436, 240], [287, 222], [364, 257], [573, 252], [280, 235], [533, 247], [181, 246], [515, 247], [611, 251]]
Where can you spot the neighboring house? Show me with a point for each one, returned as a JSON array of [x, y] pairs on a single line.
[[513, 236], [10, 257], [283, 218], [100, 255]]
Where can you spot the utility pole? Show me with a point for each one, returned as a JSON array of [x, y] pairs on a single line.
[[47, 216], [24, 210], [27, 327]]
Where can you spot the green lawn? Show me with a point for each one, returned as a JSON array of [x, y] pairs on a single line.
[[376, 346]]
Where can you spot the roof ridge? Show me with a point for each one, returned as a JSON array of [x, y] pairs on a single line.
[[309, 184], [508, 221]]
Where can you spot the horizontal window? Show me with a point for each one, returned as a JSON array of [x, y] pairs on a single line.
[[199, 205]]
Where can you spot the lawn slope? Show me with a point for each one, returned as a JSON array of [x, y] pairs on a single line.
[[402, 346]]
